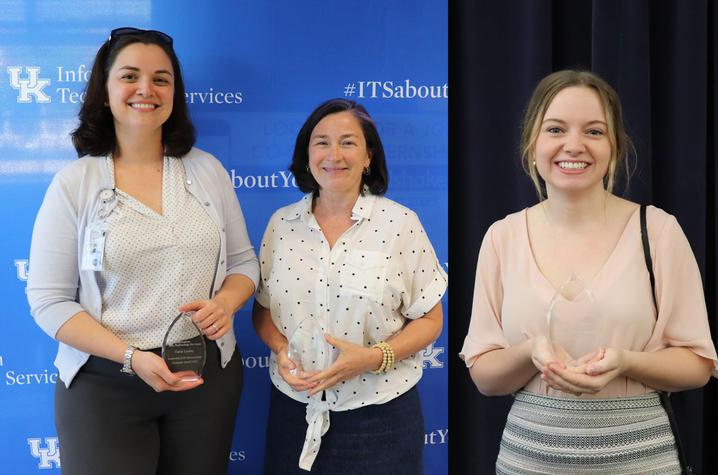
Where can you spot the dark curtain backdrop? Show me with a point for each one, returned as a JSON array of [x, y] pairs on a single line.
[[660, 57]]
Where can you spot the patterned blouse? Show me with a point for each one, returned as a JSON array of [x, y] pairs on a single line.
[[154, 263]]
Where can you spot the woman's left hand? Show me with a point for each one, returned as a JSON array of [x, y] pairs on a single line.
[[589, 377], [212, 317], [353, 360]]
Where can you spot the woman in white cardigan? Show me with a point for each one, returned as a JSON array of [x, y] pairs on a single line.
[[140, 229]]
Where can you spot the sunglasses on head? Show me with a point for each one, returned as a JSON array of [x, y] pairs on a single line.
[[128, 30]]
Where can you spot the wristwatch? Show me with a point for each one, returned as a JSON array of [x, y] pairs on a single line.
[[127, 363]]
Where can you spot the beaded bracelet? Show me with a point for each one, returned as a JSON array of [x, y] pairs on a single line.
[[387, 357]]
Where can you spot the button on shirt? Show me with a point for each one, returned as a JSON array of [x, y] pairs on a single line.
[[381, 272], [155, 263]]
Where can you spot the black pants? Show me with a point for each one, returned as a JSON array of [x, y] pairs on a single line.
[[112, 423]]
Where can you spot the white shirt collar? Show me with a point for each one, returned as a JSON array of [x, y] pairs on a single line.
[[302, 209]]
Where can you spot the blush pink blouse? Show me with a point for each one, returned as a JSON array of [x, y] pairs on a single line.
[[512, 297]]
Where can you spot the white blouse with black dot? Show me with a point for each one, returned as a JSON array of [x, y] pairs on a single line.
[[380, 272], [154, 263]]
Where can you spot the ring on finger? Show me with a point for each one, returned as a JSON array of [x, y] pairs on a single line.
[[215, 327]]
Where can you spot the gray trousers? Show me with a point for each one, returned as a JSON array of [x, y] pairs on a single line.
[[112, 423]]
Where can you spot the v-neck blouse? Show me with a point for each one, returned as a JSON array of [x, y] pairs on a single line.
[[512, 297], [155, 263]]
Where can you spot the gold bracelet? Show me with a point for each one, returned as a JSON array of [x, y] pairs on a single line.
[[387, 357]]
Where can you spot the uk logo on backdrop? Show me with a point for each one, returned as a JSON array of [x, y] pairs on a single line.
[[29, 84], [21, 267], [48, 452], [430, 356]]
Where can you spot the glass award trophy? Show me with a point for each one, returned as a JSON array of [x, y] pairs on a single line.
[[183, 348], [575, 326], [308, 349]]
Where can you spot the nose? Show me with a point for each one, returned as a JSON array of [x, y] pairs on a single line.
[[574, 144], [335, 152], [144, 87]]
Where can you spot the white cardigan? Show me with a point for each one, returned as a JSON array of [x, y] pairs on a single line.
[[57, 289]]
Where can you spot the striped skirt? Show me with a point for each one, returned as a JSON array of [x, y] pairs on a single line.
[[551, 435]]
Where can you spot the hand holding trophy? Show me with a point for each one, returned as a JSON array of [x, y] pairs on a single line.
[[183, 348], [574, 323], [308, 349]]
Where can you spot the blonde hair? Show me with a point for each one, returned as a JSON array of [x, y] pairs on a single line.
[[542, 97]]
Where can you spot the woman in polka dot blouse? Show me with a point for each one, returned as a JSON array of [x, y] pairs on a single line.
[[142, 227], [360, 268]]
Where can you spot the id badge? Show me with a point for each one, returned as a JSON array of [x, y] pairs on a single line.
[[93, 254]]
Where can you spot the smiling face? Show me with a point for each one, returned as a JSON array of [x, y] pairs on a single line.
[[140, 89], [573, 150], [338, 154]]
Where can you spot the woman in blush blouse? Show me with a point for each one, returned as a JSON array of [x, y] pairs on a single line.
[[600, 413], [143, 226], [361, 268]]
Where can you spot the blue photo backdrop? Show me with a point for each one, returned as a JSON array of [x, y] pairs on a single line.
[[253, 72]]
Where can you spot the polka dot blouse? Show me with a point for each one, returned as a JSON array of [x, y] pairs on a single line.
[[380, 272]]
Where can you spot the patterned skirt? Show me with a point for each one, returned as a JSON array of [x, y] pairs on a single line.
[[551, 435]]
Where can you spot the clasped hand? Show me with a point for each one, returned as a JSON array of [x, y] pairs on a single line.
[[588, 374], [154, 371], [212, 317], [352, 361]]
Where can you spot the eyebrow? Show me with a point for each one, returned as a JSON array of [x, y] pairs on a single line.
[[590, 122], [341, 136], [159, 71]]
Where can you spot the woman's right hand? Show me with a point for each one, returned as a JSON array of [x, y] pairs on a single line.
[[285, 366], [154, 371], [541, 354]]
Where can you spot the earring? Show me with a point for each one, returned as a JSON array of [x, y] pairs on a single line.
[[367, 171], [534, 163], [308, 167]]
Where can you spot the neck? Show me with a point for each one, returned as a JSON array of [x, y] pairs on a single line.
[[577, 209], [139, 148], [335, 204]]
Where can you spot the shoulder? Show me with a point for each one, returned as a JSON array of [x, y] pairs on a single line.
[[197, 158], [84, 174], [659, 223], [387, 207], [511, 225], [293, 210], [82, 167], [389, 204]]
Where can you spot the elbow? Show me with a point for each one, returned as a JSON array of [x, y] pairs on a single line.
[[486, 385], [437, 330], [705, 375], [488, 389], [696, 378]]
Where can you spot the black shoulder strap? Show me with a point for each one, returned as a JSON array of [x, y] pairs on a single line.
[[647, 253], [685, 468]]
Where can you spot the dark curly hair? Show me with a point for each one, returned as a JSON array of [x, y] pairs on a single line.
[[378, 178], [95, 136]]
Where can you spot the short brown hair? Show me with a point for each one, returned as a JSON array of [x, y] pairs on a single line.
[[378, 178]]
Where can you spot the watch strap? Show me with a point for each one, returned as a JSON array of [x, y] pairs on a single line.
[[127, 362]]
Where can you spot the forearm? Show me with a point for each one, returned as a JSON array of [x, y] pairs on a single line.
[[267, 330], [671, 369], [235, 291], [504, 371], [87, 334], [418, 334]]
